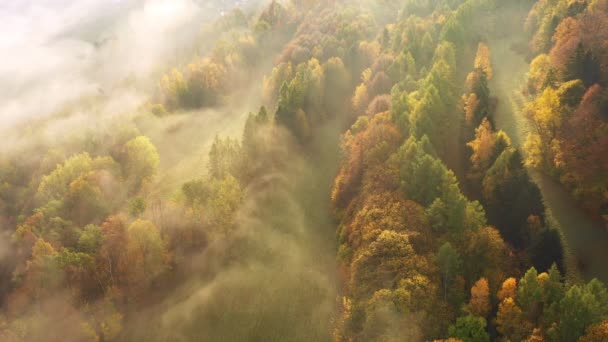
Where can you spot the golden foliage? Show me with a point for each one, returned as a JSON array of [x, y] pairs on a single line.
[[479, 304], [482, 60]]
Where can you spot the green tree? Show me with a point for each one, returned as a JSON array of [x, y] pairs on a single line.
[[224, 158], [470, 329], [42, 270], [90, 239], [146, 254], [141, 161], [579, 308], [137, 206], [450, 265], [511, 197], [584, 66], [529, 295]]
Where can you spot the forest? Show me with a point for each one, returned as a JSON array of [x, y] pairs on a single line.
[[304, 170]]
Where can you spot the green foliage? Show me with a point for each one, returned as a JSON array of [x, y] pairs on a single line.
[[450, 264], [584, 66], [511, 197], [214, 202], [146, 253], [224, 158], [410, 241], [56, 184], [470, 329], [529, 294], [141, 160], [137, 206], [90, 239]]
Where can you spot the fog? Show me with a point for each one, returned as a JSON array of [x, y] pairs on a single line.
[[78, 68], [248, 252], [59, 52], [273, 278]]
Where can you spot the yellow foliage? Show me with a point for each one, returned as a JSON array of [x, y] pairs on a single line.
[[534, 151], [479, 304], [596, 333], [361, 98], [470, 104], [482, 60], [545, 111], [510, 321], [508, 289], [537, 336], [483, 145], [539, 68]]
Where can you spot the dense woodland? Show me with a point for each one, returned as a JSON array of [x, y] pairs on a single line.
[[438, 232]]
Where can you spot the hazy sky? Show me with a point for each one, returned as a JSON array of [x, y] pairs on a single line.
[[55, 51]]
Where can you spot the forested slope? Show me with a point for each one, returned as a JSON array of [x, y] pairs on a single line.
[[367, 196]]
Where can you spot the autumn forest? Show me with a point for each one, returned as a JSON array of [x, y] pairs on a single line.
[[304, 170]]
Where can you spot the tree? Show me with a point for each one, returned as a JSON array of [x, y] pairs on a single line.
[[423, 186], [487, 255], [42, 270], [483, 146], [596, 333], [361, 98], [174, 90], [547, 249], [529, 294], [508, 289], [477, 107], [545, 112], [450, 264], [224, 158], [113, 251], [510, 321], [90, 239], [146, 254], [470, 104], [540, 67], [482, 60], [479, 304], [579, 308], [553, 288], [385, 322], [141, 160], [470, 328], [205, 83], [84, 203], [585, 147], [55, 185], [584, 66], [222, 204], [388, 259], [253, 144], [137, 206], [511, 197]]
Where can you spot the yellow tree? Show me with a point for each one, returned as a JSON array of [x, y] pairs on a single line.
[[173, 89], [141, 161], [483, 145], [537, 336], [146, 254], [479, 304], [42, 270], [508, 289], [596, 333], [510, 321], [470, 103], [540, 69], [482, 60]]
